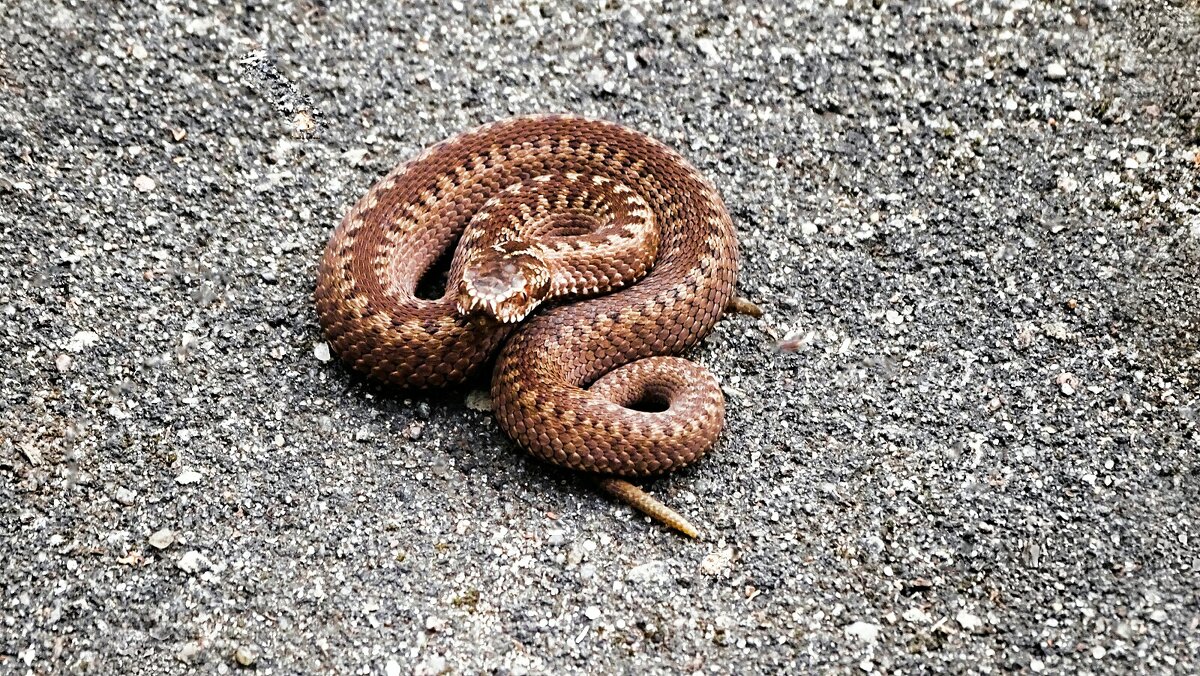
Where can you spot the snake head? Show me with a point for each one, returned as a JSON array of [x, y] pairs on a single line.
[[505, 281]]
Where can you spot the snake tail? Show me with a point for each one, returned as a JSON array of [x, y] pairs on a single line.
[[645, 503]]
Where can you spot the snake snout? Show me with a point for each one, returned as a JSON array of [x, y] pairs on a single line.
[[506, 281]]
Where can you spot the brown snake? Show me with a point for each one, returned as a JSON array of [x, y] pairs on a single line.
[[547, 210]]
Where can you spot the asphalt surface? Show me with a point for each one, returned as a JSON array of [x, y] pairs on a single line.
[[974, 227]]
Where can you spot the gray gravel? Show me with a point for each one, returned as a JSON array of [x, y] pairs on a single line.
[[975, 225]]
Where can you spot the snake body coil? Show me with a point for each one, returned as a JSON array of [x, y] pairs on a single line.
[[554, 210]]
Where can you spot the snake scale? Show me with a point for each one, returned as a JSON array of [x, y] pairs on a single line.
[[557, 211]]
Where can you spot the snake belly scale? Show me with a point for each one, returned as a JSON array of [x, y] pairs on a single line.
[[627, 246]]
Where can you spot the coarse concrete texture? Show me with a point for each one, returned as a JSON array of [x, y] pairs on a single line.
[[974, 226]]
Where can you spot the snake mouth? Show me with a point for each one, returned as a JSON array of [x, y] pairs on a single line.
[[506, 282], [507, 309]]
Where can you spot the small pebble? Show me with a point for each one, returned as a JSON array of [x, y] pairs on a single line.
[[431, 666], [82, 340], [192, 562], [968, 621], [246, 656], [143, 183], [708, 48], [321, 352], [651, 571], [867, 632], [1056, 71], [31, 453], [917, 616], [189, 651], [414, 429], [479, 400], [592, 612], [1068, 383], [161, 539], [717, 561], [188, 476]]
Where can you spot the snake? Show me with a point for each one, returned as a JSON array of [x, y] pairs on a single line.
[[584, 258]]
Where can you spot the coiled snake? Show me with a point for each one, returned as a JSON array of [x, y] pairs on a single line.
[[546, 210]]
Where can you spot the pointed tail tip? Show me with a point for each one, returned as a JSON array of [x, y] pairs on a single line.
[[683, 526], [645, 503]]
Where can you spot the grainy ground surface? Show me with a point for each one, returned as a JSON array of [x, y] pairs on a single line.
[[976, 223]]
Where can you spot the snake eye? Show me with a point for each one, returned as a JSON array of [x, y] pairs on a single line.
[[506, 281]]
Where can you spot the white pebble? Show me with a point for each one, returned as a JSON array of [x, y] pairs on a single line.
[[188, 476], [716, 561], [162, 538], [143, 183], [189, 651], [81, 340], [245, 655], [651, 571], [414, 430], [321, 351], [192, 561], [479, 400], [866, 632], [917, 616], [968, 621]]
